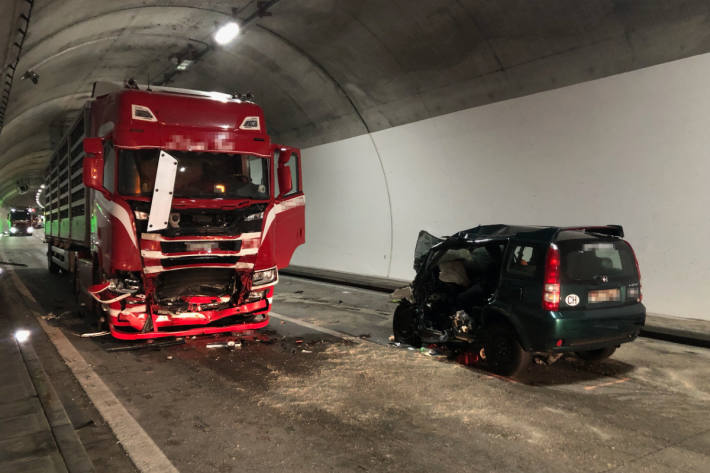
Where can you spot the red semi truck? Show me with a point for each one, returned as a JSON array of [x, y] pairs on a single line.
[[173, 210]]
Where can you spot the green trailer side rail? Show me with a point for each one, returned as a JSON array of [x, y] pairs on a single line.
[[66, 210]]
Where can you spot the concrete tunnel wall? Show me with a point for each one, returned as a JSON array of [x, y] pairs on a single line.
[[631, 149]]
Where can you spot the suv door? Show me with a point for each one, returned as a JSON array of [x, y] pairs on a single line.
[[520, 289]]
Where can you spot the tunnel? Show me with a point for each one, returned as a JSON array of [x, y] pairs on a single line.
[[331, 235]]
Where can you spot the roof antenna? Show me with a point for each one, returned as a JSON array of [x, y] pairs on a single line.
[[148, 88]]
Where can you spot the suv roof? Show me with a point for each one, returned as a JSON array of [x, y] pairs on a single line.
[[539, 233]]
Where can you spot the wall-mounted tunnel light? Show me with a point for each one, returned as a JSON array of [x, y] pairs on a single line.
[[22, 335], [226, 33]]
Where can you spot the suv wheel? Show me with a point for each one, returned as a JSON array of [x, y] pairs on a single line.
[[503, 352], [596, 355], [404, 325]]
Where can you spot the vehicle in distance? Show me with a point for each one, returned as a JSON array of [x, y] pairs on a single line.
[[19, 222], [513, 292], [173, 211]]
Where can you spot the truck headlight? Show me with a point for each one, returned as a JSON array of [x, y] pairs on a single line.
[[13, 229], [252, 217], [30, 229], [264, 277]]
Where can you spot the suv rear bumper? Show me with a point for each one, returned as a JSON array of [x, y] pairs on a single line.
[[591, 330]]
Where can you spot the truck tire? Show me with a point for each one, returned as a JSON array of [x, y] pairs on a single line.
[[404, 325], [51, 265], [596, 355], [504, 354]]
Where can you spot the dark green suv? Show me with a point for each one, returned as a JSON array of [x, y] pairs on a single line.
[[511, 292]]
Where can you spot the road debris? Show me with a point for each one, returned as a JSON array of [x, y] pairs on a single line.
[[148, 344], [95, 334]]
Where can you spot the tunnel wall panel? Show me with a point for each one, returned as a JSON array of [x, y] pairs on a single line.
[[632, 149]]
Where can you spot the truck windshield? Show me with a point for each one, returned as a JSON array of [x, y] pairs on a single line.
[[199, 174], [19, 215]]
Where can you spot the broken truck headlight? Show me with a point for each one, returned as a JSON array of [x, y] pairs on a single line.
[[256, 296], [264, 277], [252, 217]]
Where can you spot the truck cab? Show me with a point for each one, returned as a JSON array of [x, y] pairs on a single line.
[[190, 212]]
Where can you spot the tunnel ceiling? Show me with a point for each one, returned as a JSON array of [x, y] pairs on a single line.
[[324, 69]]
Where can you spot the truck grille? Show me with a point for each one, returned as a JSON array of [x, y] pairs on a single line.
[[188, 260], [196, 282]]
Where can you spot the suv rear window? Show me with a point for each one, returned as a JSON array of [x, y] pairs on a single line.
[[588, 260]]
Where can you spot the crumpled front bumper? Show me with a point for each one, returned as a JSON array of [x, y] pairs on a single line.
[[130, 319]]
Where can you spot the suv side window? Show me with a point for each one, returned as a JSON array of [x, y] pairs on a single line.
[[524, 261]]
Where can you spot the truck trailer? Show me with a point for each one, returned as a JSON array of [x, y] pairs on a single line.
[[173, 211]]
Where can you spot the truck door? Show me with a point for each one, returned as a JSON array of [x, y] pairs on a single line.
[[289, 205]]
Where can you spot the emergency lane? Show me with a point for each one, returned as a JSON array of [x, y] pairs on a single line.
[[300, 399]]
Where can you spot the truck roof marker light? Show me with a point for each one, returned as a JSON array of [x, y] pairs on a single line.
[[226, 33], [140, 112]]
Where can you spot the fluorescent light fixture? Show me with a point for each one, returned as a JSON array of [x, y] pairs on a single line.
[[22, 335], [184, 64], [42, 186], [226, 33]]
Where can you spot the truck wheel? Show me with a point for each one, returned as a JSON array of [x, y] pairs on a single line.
[[404, 325], [503, 352], [596, 355], [51, 265]]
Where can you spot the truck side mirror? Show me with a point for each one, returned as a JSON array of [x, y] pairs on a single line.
[[93, 166], [285, 183]]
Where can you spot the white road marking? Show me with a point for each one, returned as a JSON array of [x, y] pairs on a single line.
[[318, 328], [142, 450]]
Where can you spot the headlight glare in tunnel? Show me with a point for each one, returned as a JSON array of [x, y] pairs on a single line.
[[22, 335], [30, 229], [13, 229], [263, 277]]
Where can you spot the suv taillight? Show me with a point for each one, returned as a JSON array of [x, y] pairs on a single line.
[[638, 271], [551, 289]]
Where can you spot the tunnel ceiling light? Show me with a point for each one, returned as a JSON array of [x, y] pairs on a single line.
[[226, 33], [184, 64], [42, 186]]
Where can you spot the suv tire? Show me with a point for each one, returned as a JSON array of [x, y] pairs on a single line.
[[504, 354], [404, 325], [596, 355]]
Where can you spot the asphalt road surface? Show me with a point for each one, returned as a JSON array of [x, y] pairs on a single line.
[[322, 390]]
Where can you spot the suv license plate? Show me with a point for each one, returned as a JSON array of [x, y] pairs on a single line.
[[604, 295]]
